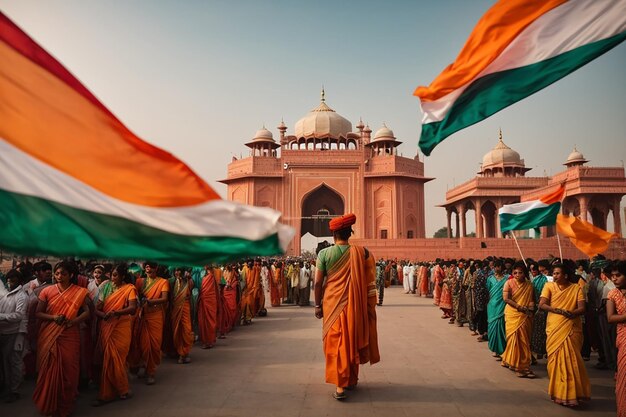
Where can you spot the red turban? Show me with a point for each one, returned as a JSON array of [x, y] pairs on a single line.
[[342, 222]]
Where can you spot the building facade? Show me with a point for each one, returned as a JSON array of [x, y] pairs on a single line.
[[325, 169]]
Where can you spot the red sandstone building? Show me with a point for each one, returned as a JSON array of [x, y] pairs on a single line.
[[325, 169]]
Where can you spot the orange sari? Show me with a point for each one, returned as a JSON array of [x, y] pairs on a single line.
[[58, 352], [349, 331], [248, 308], [516, 355], [275, 285], [424, 281], [620, 381], [569, 383], [149, 327], [115, 338], [208, 309], [182, 332], [229, 301]]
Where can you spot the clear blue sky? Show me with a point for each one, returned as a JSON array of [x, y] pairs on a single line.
[[198, 78]]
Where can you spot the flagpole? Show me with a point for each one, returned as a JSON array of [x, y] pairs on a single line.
[[518, 248], [560, 250]]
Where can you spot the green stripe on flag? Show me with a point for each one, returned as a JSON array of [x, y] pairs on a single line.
[[544, 216], [35, 226], [494, 92]]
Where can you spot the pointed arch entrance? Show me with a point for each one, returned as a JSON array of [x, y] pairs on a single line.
[[318, 207]]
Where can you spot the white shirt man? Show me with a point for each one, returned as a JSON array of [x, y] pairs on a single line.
[[405, 279]]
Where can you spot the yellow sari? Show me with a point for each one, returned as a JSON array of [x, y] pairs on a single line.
[[569, 383], [517, 356]]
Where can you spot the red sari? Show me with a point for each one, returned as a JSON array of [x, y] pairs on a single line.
[[229, 301], [114, 342], [208, 310], [58, 352]]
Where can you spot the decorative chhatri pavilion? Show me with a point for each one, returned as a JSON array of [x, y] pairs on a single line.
[[325, 169], [591, 193]]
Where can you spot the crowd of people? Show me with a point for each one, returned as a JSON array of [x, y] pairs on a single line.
[[98, 322], [528, 310], [73, 325]]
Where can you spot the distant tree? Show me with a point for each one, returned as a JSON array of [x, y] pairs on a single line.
[[473, 234], [441, 233]]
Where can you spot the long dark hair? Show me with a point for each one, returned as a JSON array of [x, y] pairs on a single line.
[[71, 268], [122, 271], [571, 277]]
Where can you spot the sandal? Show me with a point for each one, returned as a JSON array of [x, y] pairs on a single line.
[[126, 396], [529, 375], [339, 395]]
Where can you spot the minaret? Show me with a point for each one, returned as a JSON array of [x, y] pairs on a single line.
[[282, 128]]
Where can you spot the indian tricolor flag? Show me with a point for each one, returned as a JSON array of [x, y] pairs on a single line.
[[532, 214], [74, 181], [517, 48]]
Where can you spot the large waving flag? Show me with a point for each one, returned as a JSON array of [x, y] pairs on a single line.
[[532, 214], [74, 181], [517, 48], [589, 239]]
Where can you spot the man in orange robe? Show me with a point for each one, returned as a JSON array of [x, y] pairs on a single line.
[[208, 309], [182, 332], [153, 293], [349, 331]]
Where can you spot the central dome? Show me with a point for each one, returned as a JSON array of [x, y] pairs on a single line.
[[323, 122], [501, 155]]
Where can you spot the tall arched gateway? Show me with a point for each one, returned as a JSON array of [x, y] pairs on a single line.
[[318, 208]]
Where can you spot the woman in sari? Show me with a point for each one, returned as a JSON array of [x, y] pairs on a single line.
[[182, 333], [496, 331], [519, 296], [564, 301], [438, 276], [230, 316], [208, 309], [616, 313], [148, 331], [445, 302], [117, 302], [276, 272], [60, 310]]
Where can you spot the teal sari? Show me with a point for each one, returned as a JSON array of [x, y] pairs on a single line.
[[496, 331]]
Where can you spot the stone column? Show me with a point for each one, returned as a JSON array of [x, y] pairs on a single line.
[[583, 202], [457, 224], [461, 210], [617, 218], [479, 219], [449, 215], [497, 232]]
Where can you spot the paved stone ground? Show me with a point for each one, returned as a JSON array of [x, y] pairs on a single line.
[[275, 368]]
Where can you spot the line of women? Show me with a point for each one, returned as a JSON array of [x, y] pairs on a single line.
[[538, 313], [132, 318]]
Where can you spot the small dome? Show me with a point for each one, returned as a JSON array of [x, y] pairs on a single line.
[[263, 134], [501, 155], [322, 122], [576, 158], [384, 133]]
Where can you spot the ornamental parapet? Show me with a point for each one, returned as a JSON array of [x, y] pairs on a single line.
[[394, 164], [497, 187]]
